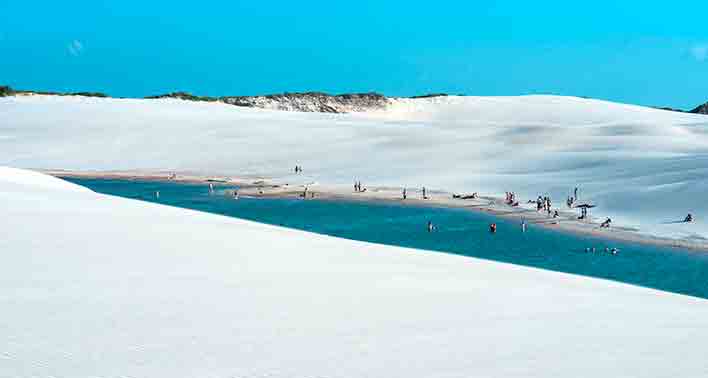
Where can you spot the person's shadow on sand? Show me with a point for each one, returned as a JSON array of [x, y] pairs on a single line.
[[674, 222]]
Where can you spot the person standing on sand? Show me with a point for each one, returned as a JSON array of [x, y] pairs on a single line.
[[575, 193], [405, 194], [424, 194]]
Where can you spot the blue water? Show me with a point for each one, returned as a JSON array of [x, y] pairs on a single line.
[[459, 231]]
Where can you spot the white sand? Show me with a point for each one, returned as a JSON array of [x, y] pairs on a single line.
[[100, 286], [643, 167]]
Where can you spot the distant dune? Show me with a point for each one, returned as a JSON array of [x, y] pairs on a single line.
[[643, 167], [318, 102]]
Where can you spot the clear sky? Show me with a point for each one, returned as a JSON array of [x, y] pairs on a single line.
[[645, 52]]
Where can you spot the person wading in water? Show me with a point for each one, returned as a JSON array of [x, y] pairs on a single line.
[[493, 228]]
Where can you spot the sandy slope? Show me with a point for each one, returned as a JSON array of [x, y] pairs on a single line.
[[92, 285], [643, 167]]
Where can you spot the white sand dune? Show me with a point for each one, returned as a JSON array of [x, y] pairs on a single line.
[[100, 286], [643, 167]]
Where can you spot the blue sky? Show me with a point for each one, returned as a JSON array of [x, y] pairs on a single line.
[[651, 53]]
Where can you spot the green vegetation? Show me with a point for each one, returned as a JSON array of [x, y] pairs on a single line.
[[184, 96], [6, 91], [431, 95]]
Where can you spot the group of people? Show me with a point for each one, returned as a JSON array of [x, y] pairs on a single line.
[[511, 199], [570, 201], [304, 193], [543, 203], [613, 251], [492, 227], [466, 196], [358, 188], [404, 193]]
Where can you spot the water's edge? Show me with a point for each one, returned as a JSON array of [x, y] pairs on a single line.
[[460, 231]]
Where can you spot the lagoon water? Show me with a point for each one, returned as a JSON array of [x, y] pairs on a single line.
[[459, 231]]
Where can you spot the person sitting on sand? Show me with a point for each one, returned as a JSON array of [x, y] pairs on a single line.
[[606, 223], [555, 214], [689, 218]]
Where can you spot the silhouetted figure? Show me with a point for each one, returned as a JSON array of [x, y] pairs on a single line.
[[493, 228]]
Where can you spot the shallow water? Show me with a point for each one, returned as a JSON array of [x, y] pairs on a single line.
[[459, 231]]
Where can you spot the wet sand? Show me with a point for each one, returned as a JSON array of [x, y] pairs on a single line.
[[253, 186]]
